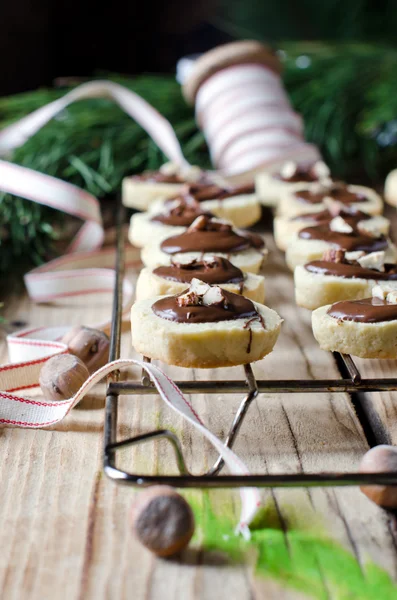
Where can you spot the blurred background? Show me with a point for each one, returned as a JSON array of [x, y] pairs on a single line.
[[43, 40], [340, 70]]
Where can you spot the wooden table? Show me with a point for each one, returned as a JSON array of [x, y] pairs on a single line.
[[65, 532]]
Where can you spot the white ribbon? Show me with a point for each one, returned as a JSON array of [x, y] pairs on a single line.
[[35, 346], [157, 126], [80, 271]]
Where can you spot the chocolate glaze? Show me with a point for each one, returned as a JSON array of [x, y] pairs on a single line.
[[210, 191], [214, 237], [324, 216], [351, 271], [181, 214], [355, 240], [304, 174], [236, 307], [214, 271], [157, 177], [337, 192], [369, 310]]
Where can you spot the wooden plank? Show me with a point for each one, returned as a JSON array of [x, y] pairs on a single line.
[[65, 530]]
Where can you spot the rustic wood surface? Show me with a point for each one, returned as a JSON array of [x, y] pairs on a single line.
[[65, 531]]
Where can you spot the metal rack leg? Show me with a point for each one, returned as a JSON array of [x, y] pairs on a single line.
[[238, 419]]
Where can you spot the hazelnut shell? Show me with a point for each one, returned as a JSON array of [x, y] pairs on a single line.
[[90, 345], [380, 459], [62, 376], [162, 520]]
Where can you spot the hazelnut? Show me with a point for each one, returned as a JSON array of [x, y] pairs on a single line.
[[162, 520], [90, 345], [333, 255], [62, 376], [188, 299], [214, 297], [199, 224], [381, 459]]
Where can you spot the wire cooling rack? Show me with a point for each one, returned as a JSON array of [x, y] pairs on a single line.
[[250, 387]]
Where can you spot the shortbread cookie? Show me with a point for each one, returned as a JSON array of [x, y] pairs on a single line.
[[341, 234], [323, 282], [175, 217], [290, 178], [139, 191], [286, 228], [315, 199], [391, 188], [205, 327], [175, 278], [235, 203], [204, 238], [366, 328]]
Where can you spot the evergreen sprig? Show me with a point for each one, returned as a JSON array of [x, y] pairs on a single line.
[[346, 94]]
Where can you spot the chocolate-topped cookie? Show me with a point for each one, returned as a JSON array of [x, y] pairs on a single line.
[[215, 270], [366, 327], [341, 275], [320, 196], [291, 177], [203, 327], [348, 232], [204, 238]]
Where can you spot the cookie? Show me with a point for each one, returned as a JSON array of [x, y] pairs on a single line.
[[235, 203], [323, 282], [366, 328], [204, 238], [286, 228], [175, 278], [227, 55], [140, 191], [319, 196], [341, 234], [390, 192], [204, 327], [291, 178], [174, 218]]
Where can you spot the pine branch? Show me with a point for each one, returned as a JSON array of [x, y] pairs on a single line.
[[346, 93]]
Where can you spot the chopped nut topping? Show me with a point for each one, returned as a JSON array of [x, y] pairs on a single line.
[[213, 296], [333, 206], [199, 224], [199, 287], [200, 293], [378, 292], [374, 260], [188, 299], [339, 225], [206, 223], [354, 256], [334, 255], [391, 297], [183, 262], [391, 253], [321, 170], [288, 169]]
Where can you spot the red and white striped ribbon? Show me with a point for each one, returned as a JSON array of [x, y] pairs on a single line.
[[85, 268], [248, 121], [24, 412], [79, 272]]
